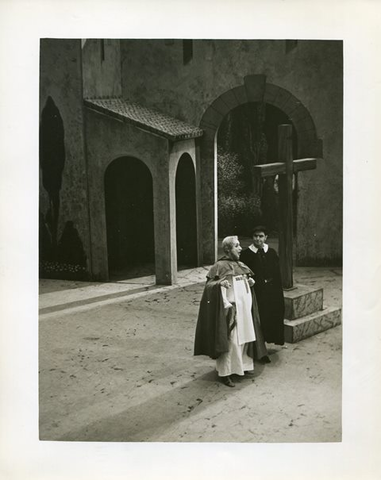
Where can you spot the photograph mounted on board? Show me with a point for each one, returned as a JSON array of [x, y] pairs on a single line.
[[190, 209]]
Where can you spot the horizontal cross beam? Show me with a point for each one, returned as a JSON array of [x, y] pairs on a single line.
[[279, 168]]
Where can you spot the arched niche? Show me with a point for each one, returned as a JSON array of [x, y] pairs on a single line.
[[129, 218], [186, 216]]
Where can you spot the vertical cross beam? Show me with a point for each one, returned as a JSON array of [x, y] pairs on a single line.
[[285, 168], [285, 205]]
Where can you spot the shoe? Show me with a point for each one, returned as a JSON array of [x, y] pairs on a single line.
[[228, 381], [249, 373]]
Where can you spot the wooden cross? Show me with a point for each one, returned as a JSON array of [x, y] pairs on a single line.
[[285, 168]]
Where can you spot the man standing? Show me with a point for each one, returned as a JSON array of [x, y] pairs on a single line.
[[264, 262], [228, 326]]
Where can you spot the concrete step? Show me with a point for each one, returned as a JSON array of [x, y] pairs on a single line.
[[302, 300], [301, 328]]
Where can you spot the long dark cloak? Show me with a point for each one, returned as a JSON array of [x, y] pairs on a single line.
[[212, 335], [269, 292]]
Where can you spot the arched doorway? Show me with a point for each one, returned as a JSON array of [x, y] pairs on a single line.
[[255, 89], [186, 220], [248, 136], [129, 219]]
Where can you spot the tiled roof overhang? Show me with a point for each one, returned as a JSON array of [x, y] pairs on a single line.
[[145, 118]]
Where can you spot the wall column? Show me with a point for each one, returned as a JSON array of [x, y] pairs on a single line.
[[98, 229], [200, 248], [209, 196], [164, 207]]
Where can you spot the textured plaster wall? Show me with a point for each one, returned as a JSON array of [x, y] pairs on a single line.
[[107, 140], [61, 78], [101, 73], [153, 74], [320, 192]]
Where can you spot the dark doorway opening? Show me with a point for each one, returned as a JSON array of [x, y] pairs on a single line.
[[248, 136], [129, 219], [186, 222]]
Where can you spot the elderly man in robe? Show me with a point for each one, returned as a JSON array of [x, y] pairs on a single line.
[[228, 327]]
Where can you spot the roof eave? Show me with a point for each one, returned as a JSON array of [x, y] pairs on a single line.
[[106, 111]]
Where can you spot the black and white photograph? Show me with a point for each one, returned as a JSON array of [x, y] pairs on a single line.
[[166, 164], [189, 261]]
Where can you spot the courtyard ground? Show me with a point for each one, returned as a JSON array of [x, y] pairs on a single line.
[[116, 364]]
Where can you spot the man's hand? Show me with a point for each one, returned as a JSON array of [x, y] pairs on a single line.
[[251, 282], [225, 284]]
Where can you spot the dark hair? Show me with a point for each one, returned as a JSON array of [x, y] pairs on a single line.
[[259, 228]]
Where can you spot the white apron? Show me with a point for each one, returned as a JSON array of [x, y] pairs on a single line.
[[236, 360]]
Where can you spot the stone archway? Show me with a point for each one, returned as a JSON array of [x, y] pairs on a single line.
[[246, 137], [129, 218], [254, 89], [186, 215]]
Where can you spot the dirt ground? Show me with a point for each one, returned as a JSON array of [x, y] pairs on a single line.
[[123, 370]]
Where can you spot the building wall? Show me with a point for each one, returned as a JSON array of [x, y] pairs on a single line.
[[61, 79], [101, 68], [154, 74], [109, 139]]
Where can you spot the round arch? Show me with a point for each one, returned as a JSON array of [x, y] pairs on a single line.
[[186, 216], [308, 142], [254, 89], [126, 155], [128, 187]]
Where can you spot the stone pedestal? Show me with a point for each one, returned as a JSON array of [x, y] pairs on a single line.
[[305, 314]]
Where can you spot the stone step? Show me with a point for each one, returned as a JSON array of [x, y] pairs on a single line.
[[302, 300], [301, 328]]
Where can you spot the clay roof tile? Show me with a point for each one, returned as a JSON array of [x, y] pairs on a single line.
[[144, 117]]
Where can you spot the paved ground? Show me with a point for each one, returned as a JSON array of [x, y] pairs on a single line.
[[116, 364]]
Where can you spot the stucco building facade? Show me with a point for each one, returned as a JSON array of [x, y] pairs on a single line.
[[160, 103]]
